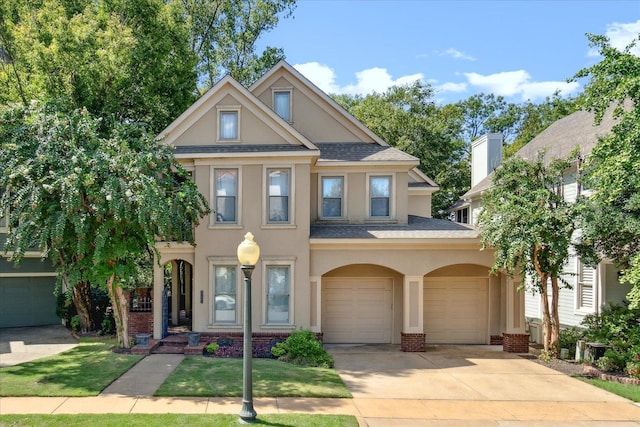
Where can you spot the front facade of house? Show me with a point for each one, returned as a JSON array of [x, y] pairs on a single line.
[[348, 245], [591, 288]]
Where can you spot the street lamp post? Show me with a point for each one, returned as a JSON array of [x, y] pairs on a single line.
[[248, 254]]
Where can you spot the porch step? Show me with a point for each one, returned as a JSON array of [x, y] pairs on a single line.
[[168, 349]]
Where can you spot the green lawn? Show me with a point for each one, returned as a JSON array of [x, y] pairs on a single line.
[[204, 376], [163, 420], [629, 391], [82, 371]]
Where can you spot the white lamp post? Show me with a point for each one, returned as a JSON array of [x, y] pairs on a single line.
[[248, 254]]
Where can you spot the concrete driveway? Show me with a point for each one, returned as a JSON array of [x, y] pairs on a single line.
[[19, 345], [460, 384]]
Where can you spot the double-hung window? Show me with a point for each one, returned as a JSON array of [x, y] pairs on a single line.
[[226, 195], [228, 124], [380, 196], [225, 294], [332, 197], [278, 288], [586, 281], [278, 195], [282, 104]]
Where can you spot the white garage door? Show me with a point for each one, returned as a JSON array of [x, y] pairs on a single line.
[[455, 310], [356, 310]]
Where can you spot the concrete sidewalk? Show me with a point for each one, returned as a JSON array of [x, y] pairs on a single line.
[[145, 377]]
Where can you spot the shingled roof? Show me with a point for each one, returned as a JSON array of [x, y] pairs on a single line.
[[417, 228], [559, 140], [360, 152], [237, 148]]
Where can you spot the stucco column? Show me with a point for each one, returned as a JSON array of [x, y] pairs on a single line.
[[175, 294], [158, 288], [315, 304], [516, 339], [413, 337], [188, 288]]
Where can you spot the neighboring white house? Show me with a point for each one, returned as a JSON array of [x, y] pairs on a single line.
[[591, 288]]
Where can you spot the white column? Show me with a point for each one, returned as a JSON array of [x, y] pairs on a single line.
[[413, 305], [158, 288], [175, 294]]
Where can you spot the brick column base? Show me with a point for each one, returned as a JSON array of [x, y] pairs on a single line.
[[515, 343], [412, 342]]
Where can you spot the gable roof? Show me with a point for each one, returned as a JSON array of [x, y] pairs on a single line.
[[228, 85], [361, 152], [577, 130], [336, 111]]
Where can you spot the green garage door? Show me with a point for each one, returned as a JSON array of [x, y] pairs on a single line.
[[27, 301]]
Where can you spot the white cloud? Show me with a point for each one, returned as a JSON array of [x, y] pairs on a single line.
[[456, 54], [451, 87], [620, 35], [514, 83], [367, 81]]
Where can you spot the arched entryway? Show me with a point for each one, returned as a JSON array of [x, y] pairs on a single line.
[[358, 304], [177, 297]]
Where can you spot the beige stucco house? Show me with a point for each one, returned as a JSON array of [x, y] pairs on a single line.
[[343, 220]]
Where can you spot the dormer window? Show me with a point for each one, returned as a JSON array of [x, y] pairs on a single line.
[[282, 103], [462, 216], [228, 124]]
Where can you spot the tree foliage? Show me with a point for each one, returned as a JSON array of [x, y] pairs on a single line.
[[223, 35], [93, 201], [529, 224], [611, 216], [130, 60]]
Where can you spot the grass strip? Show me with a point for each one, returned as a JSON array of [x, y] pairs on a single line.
[[218, 377], [82, 371]]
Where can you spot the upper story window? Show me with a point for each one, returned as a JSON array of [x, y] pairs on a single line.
[[332, 197], [380, 196], [278, 195], [282, 103], [228, 123], [226, 195], [462, 216], [586, 280]]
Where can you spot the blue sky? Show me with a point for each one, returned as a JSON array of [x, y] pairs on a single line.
[[523, 50]]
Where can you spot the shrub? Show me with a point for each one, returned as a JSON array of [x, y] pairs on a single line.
[[212, 347], [75, 323], [633, 367], [303, 348], [611, 361]]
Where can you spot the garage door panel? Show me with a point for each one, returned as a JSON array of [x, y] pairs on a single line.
[[27, 301], [455, 310], [356, 310]]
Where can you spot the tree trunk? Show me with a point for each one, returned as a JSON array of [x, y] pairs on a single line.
[[81, 295], [546, 318], [120, 312], [555, 319]]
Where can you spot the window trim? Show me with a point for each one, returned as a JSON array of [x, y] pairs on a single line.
[[343, 204], [392, 205], [265, 197], [224, 262], [212, 203], [287, 261], [220, 109], [274, 92], [579, 308]]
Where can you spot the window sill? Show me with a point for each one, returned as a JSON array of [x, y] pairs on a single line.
[[287, 327], [381, 221], [221, 327], [225, 226], [279, 226]]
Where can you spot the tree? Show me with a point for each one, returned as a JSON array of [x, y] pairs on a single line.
[[130, 60], [529, 224], [408, 119], [223, 35], [94, 198], [611, 215]]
